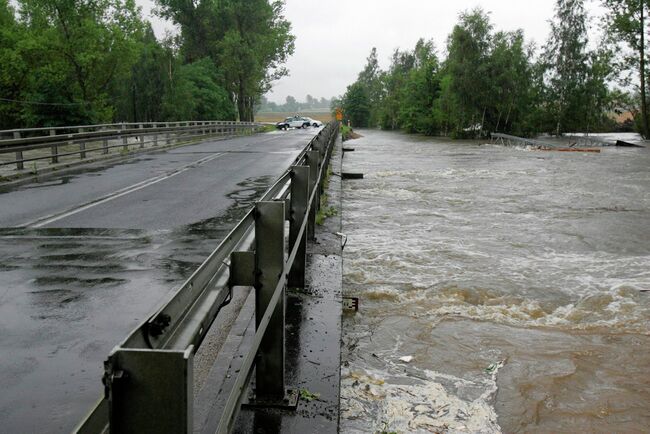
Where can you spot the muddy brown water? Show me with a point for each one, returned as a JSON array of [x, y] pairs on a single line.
[[502, 289]]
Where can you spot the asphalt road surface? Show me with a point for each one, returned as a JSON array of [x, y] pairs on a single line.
[[86, 256]]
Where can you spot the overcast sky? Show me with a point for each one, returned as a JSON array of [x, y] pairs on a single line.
[[334, 37]]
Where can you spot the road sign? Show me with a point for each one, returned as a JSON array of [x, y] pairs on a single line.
[[339, 114]]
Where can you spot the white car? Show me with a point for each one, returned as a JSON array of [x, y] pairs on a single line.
[[314, 122], [293, 122]]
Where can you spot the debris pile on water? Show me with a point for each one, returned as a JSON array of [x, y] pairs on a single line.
[[417, 401]]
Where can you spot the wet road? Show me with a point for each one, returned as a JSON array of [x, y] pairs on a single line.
[[86, 256], [502, 289]]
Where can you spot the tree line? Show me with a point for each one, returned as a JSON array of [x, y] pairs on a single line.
[[496, 81], [75, 62], [293, 105]]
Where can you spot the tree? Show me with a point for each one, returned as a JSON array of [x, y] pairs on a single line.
[[290, 104], [356, 105], [14, 67], [139, 95], [422, 88], [393, 83], [626, 19], [468, 47], [371, 78], [248, 41], [510, 77], [83, 47], [196, 94], [566, 59]]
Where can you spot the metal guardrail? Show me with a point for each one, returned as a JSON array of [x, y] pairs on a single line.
[[81, 140], [148, 377], [574, 141], [589, 141], [506, 139]]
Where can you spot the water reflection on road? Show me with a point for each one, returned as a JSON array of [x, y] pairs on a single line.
[[517, 280], [67, 296]]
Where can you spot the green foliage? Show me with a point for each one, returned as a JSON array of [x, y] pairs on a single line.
[[418, 95], [77, 49], [308, 396], [13, 68], [468, 64], [249, 40], [356, 105], [490, 82], [626, 23], [75, 62], [345, 132], [196, 95], [139, 94]]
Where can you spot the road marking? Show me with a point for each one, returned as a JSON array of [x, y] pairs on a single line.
[[42, 221]]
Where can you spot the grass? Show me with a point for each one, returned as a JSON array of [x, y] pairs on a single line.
[[267, 129], [325, 211], [308, 396], [345, 132]]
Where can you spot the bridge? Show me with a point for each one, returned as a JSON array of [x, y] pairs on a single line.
[[232, 211]]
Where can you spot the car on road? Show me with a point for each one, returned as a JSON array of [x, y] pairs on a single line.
[[293, 122], [314, 123]]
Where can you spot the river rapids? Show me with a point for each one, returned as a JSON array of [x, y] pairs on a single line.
[[502, 289]]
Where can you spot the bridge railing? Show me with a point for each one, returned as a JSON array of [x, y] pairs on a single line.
[[28, 145], [507, 139], [148, 378]]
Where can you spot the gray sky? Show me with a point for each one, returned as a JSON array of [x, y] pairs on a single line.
[[334, 37]]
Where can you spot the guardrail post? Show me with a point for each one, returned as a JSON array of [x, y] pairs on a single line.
[[312, 158], [82, 146], [269, 265], [19, 154], [298, 212], [141, 136], [125, 141], [54, 149], [150, 390], [167, 139]]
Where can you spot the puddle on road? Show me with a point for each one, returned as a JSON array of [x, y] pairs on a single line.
[[68, 296], [46, 181]]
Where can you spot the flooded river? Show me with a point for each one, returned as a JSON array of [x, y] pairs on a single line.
[[502, 289]]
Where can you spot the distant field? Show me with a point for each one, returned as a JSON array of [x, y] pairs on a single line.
[[280, 116]]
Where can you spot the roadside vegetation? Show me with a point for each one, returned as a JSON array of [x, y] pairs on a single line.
[[497, 81], [76, 62], [345, 132], [325, 210]]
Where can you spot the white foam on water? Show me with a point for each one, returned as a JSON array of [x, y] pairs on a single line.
[[384, 402]]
